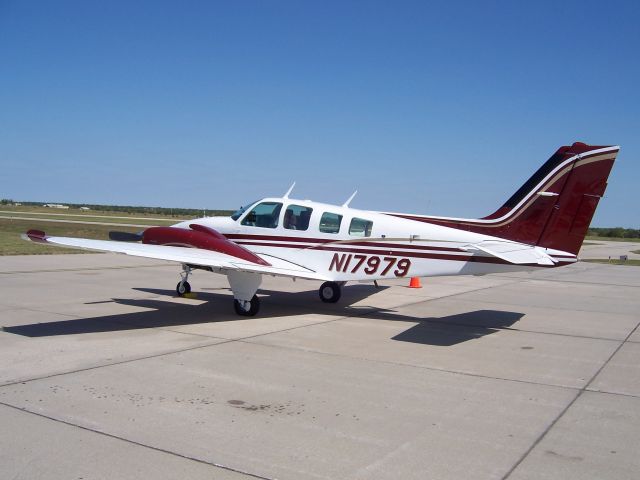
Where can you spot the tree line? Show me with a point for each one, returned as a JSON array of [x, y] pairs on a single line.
[[617, 232]]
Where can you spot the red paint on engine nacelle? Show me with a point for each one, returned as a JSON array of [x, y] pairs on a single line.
[[37, 235], [199, 237]]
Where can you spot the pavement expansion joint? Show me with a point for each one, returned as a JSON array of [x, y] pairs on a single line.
[[555, 307], [410, 365], [39, 310], [499, 327], [133, 442], [131, 360], [111, 364], [568, 406]]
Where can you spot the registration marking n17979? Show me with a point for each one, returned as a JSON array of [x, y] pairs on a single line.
[[370, 264]]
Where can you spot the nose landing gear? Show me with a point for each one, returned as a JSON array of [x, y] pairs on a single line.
[[183, 286]]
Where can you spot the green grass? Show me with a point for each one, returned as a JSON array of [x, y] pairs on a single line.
[[12, 244], [632, 263]]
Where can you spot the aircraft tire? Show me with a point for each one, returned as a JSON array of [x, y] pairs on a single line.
[[253, 309], [330, 292], [183, 288]]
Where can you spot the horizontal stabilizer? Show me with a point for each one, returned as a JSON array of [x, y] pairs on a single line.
[[516, 253]]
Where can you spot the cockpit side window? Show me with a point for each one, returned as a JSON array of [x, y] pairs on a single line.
[[264, 215], [330, 222], [238, 213], [360, 227], [296, 217]]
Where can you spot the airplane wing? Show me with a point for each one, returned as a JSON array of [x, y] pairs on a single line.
[[192, 256]]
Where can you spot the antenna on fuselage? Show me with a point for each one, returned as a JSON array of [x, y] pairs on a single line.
[[346, 204], [286, 195]]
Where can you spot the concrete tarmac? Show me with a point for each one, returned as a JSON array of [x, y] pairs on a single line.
[[104, 374]]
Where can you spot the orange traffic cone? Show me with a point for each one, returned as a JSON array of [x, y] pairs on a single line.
[[415, 282]]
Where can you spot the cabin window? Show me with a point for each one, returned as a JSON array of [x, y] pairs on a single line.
[[360, 227], [296, 217], [263, 215], [330, 222]]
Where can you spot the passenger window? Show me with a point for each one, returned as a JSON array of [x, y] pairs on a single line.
[[330, 222], [264, 215], [360, 227], [296, 217]]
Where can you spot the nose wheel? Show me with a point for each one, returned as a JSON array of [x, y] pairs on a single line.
[[330, 292], [183, 288], [247, 308]]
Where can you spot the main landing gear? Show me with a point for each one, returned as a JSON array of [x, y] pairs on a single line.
[[247, 308], [244, 286], [330, 292]]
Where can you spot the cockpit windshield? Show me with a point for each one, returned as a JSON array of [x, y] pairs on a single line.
[[238, 213]]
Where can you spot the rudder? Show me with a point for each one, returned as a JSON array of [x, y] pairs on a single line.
[[574, 208]]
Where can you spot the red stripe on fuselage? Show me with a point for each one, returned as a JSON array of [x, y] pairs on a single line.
[[463, 257], [322, 241]]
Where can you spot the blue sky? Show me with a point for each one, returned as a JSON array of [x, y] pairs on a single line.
[[443, 108]]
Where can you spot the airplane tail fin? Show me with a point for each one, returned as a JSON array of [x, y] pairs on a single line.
[[553, 209]]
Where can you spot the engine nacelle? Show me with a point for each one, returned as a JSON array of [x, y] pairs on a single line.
[[199, 236]]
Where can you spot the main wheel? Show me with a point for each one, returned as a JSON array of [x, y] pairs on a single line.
[[245, 310], [330, 292], [183, 288]]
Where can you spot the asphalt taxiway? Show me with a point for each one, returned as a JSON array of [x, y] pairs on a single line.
[[105, 374]]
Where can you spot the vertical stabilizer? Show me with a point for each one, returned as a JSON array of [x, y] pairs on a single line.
[[553, 209]]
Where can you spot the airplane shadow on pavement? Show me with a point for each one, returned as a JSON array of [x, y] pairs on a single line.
[[214, 305]]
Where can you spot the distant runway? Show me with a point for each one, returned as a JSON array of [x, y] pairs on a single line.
[[606, 249], [105, 374], [53, 220], [91, 215]]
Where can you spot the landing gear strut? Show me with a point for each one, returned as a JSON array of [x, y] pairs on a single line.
[[247, 308], [183, 286], [330, 292]]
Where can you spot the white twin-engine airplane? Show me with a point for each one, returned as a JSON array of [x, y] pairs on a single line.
[[541, 226]]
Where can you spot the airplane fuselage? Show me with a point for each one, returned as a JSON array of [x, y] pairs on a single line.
[[348, 244]]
